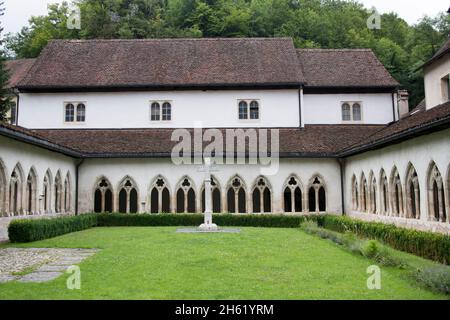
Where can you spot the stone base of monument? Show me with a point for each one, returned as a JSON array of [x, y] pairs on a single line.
[[208, 227], [208, 230]]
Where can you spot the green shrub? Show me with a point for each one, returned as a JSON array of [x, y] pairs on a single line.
[[27, 230], [370, 249], [429, 245], [247, 220], [436, 278]]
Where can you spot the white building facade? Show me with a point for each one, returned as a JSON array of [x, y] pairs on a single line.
[[94, 137]]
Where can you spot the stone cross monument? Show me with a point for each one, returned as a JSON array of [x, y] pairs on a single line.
[[208, 225]]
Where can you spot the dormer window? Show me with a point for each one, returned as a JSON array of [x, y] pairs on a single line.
[[75, 112], [351, 111], [161, 111], [248, 109]]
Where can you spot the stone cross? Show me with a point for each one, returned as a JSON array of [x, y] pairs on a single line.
[[207, 169]]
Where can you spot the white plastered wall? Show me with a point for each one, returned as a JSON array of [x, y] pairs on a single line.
[[420, 152], [143, 172], [432, 79], [13, 152]]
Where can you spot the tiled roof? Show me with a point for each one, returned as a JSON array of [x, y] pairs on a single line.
[[313, 140], [343, 68], [165, 63], [18, 69], [409, 127]]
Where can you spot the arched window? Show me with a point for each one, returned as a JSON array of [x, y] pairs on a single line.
[[46, 192], [363, 193], [373, 194], [128, 196], [31, 189], [103, 196], [216, 196], [2, 189], [346, 115], [261, 196], [186, 197], [15, 191], [293, 195], [254, 110], [160, 196], [436, 195], [67, 190], [316, 195], [384, 205], [81, 112], [58, 193], [355, 194], [236, 196], [396, 194], [243, 112], [155, 112], [356, 110], [166, 111], [412, 194], [70, 112]]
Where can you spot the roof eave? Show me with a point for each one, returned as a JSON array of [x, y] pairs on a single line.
[[436, 126]]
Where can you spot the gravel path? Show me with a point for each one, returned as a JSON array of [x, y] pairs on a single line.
[[38, 264]]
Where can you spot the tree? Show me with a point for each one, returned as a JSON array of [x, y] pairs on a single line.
[[5, 100], [402, 48]]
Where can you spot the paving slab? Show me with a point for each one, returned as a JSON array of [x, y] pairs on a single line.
[[40, 276]]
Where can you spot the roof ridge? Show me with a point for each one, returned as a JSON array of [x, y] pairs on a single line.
[[334, 50], [172, 39]]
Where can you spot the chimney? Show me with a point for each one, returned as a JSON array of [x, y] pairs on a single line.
[[403, 103]]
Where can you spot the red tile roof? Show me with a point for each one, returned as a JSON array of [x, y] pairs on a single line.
[[18, 69], [313, 140], [163, 63], [343, 68]]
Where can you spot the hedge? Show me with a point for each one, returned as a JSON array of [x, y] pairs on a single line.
[[428, 245], [273, 221], [28, 230]]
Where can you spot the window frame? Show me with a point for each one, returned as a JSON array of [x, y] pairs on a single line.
[[161, 105], [351, 104], [75, 112], [249, 103]]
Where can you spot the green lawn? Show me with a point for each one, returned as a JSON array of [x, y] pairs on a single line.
[[258, 263]]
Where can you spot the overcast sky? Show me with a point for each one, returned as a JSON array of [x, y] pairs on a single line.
[[19, 11]]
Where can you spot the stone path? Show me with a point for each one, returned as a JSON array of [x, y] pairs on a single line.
[[38, 264]]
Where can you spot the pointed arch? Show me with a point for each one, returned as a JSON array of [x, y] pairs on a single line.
[[103, 196], [159, 198], [3, 189], [396, 193], [261, 195], [127, 197], [67, 199], [185, 195], [317, 199], [58, 192], [31, 198], [46, 192], [293, 194], [384, 193], [16, 190], [364, 193], [216, 195], [373, 203], [236, 195], [436, 194], [412, 193], [355, 193]]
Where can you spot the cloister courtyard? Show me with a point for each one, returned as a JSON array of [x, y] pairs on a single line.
[[256, 263]]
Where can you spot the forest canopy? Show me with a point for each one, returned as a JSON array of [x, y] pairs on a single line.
[[402, 48]]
